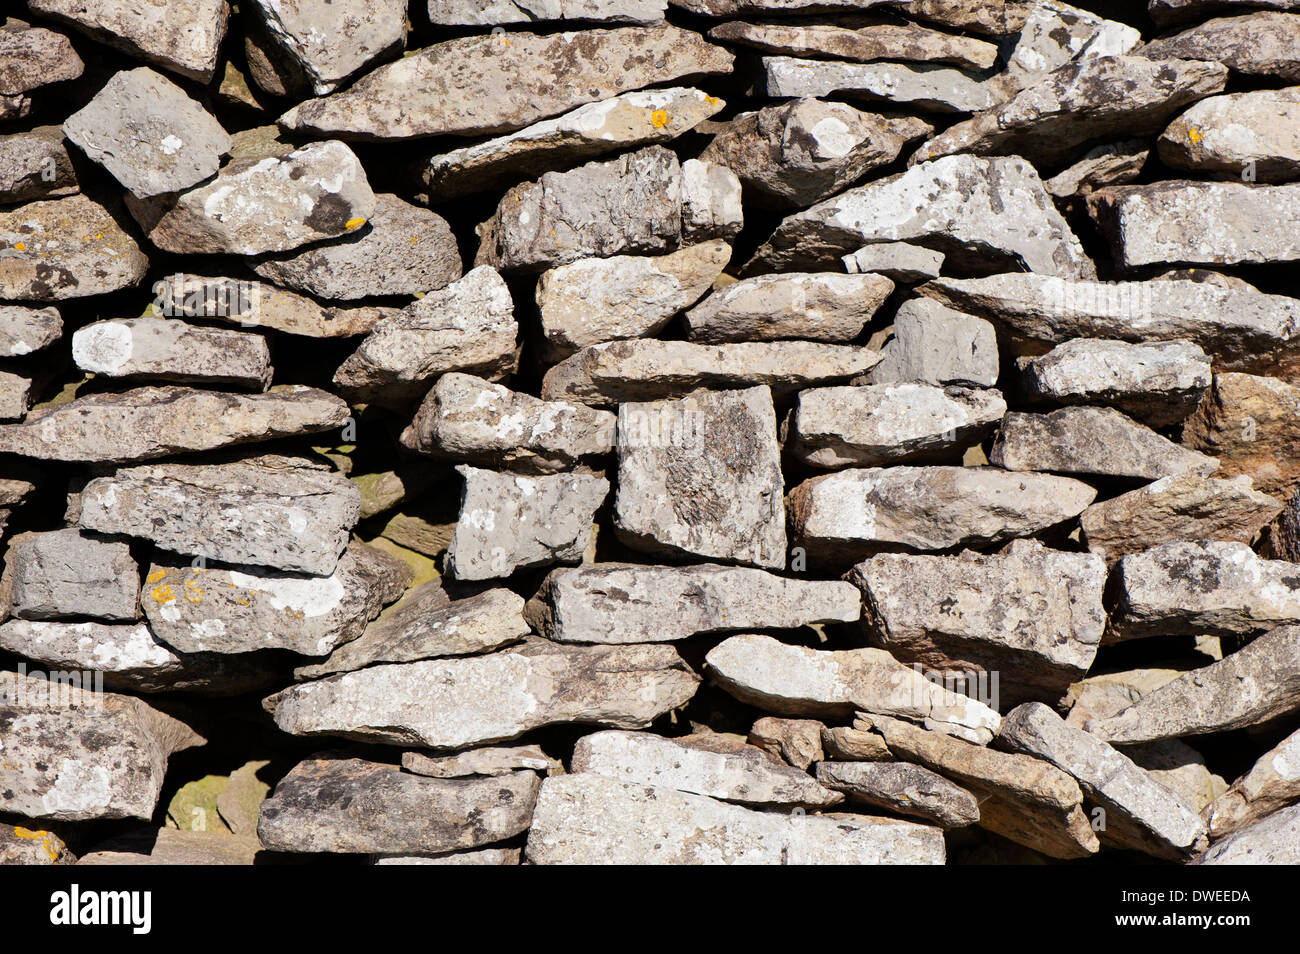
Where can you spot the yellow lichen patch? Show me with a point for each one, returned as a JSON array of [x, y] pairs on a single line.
[[414, 239], [1194, 134], [157, 576], [659, 119], [163, 594], [353, 224], [44, 837], [192, 592], [21, 246]]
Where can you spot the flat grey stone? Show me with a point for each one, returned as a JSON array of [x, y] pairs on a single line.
[[67, 574], [903, 788], [1271, 841], [1271, 784], [32, 57], [492, 761], [933, 344], [35, 164], [877, 41], [937, 88], [166, 349], [329, 41], [1256, 44], [897, 260], [24, 330], [819, 306], [498, 12], [1255, 133]]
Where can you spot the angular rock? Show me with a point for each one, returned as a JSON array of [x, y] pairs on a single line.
[[793, 155], [149, 134], [623, 602], [15, 396], [1272, 783], [73, 753], [940, 89], [465, 418], [1256, 133], [882, 41], [497, 12], [66, 248], [402, 250], [982, 213], [67, 574], [588, 819], [742, 774], [1269, 842], [607, 375], [510, 522], [165, 349], [903, 788], [270, 205], [1092, 440], [1185, 507], [174, 847], [1052, 36], [711, 206], [879, 424], [26, 846], [896, 260], [702, 477], [1030, 615], [35, 165], [795, 741], [493, 84], [468, 326], [32, 57], [459, 703], [24, 330], [819, 306], [1165, 12], [328, 41], [284, 513], [854, 745], [630, 119], [727, 8], [1250, 424], [1116, 163], [595, 300], [157, 422], [796, 681], [1257, 44], [479, 856], [355, 806], [493, 761], [936, 345], [1140, 813]]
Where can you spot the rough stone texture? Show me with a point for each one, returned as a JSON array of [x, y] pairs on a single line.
[[35, 165], [884, 41], [622, 602], [795, 741], [1158, 384], [458, 703], [980, 212], [510, 522], [1032, 615], [879, 424], [492, 761], [24, 330], [1250, 424], [468, 326], [1092, 440], [166, 349], [67, 574], [328, 41], [1256, 133], [479, 856], [279, 512], [847, 515], [1140, 813], [800, 153], [149, 134], [937, 345], [1257, 44], [1116, 163], [1185, 507], [73, 754], [32, 57], [594, 300], [941, 89], [270, 205], [711, 202], [355, 806], [1272, 841], [1271, 784], [66, 248], [157, 422], [617, 372], [1165, 12], [28, 846], [855, 745], [702, 477], [493, 84], [497, 12], [896, 260], [1053, 35], [819, 306], [796, 681], [15, 396], [465, 418], [742, 774], [588, 819], [630, 119], [903, 788]]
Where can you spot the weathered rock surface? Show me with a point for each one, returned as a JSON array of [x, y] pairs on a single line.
[[498, 12], [1165, 12], [819, 306], [1115, 163], [882, 41], [937, 345], [166, 349], [622, 602], [795, 741], [15, 396], [588, 819], [856, 745], [67, 574], [1256, 134], [27, 846], [896, 260], [35, 165], [491, 761], [941, 89], [903, 788], [1257, 44], [33, 57], [1271, 784], [24, 330], [328, 41], [1250, 423], [1269, 842]]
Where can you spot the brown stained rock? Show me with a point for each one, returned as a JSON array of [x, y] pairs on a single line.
[[1252, 425]]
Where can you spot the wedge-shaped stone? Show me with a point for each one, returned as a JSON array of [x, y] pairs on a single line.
[[631, 119], [33, 57], [24, 330], [67, 574], [1092, 440], [1081, 102], [1186, 507], [66, 248], [936, 345], [1031, 615], [458, 703], [903, 788], [509, 521], [73, 753], [149, 134], [890, 423], [1052, 36], [492, 761], [623, 602], [1250, 423], [1114, 163], [702, 477], [1140, 813], [1271, 784], [728, 8], [793, 155], [795, 741], [166, 349], [896, 260], [16, 393], [589, 819], [1257, 683], [1272, 841], [354, 806], [498, 12], [617, 372], [426, 624], [468, 326], [285, 513], [214, 609], [882, 41], [731, 773], [797, 681], [979, 212], [493, 84], [327, 41], [1257, 44], [848, 515], [1024, 799], [937, 88], [1245, 133], [594, 300], [274, 204], [158, 422], [470, 419], [819, 306], [855, 745], [1203, 587]]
